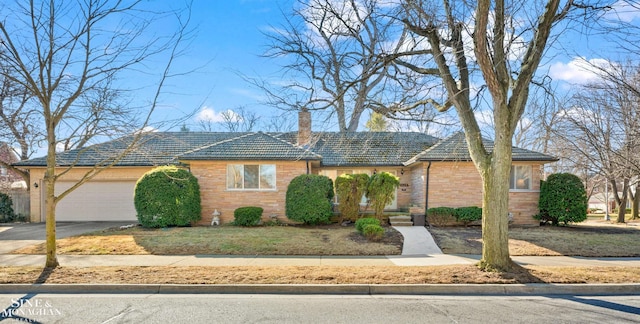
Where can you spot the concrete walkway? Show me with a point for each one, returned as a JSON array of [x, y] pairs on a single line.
[[417, 241]]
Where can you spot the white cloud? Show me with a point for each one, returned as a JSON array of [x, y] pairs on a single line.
[[210, 115], [624, 11], [579, 70]]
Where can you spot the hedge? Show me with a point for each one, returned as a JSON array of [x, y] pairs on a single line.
[[247, 216], [167, 196], [308, 199]]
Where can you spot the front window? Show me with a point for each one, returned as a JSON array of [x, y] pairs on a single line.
[[520, 178], [251, 176]]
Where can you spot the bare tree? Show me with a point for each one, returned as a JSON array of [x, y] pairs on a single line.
[[340, 58], [64, 53], [18, 121], [606, 119], [501, 44], [239, 119]]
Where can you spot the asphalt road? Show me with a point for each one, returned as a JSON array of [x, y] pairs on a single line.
[[202, 308]]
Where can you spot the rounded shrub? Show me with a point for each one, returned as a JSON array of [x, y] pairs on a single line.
[[440, 216], [6, 208], [350, 188], [308, 199], [467, 215], [563, 199], [381, 190], [362, 222], [167, 196], [373, 232], [247, 216]]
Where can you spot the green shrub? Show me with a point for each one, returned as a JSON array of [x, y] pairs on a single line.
[[381, 190], [6, 208], [467, 215], [350, 188], [167, 196], [247, 216], [308, 199], [563, 199], [373, 232], [440, 216], [362, 222]]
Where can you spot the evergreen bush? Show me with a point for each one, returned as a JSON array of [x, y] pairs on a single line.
[[167, 196], [362, 222], [308, 199], [563, 199], [440, 216], [467, 215], [373, 232], [6, 208], [247, 216], [381, 190], [350, 188]]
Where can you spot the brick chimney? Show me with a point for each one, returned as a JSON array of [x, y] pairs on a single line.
[[304, 127]]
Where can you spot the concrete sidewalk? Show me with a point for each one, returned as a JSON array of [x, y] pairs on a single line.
[[233, 260]]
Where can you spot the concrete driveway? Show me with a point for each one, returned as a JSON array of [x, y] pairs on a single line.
[[15, 236]]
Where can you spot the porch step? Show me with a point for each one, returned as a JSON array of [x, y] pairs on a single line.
[[403, 220]]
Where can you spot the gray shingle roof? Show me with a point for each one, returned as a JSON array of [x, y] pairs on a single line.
[[331, 148], [454, 148], [367, 148], [253, 146]]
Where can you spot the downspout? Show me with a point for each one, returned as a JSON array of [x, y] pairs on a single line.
[[307, 161], [426, 189]]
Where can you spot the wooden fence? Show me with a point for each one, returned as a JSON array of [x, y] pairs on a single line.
[[21, 202]]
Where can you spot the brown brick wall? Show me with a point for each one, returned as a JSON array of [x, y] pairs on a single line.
[[212, 177], [458, 184]]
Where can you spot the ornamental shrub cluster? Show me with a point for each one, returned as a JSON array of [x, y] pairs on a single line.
[[350, 189], [167, 196], [247, 216], [380, 191], [6, 208], [563, 199], [373, 232], [308, 199], [362, 222], [441, 216], [467, 215]]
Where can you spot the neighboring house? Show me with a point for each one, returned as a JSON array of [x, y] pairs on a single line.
[[255, 168], [8, 178], [597, 202]]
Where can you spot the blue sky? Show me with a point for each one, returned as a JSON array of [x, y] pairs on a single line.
[[229, 40], [228, 43]]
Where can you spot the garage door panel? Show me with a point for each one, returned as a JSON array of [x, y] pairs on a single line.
[[97, 201]]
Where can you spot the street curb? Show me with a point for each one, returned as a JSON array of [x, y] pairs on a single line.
[[347, 289]]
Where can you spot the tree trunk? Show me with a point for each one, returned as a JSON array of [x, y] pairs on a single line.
[[495, 211], [622, 208], [50, 204], [635, 201]]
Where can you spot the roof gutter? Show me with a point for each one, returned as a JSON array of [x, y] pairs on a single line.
[[426, 189]]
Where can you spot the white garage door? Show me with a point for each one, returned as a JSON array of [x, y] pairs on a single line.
[[97, 201]]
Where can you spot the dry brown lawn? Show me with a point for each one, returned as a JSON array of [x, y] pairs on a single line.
[[228, 240], [454, 274], [588, 240]]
